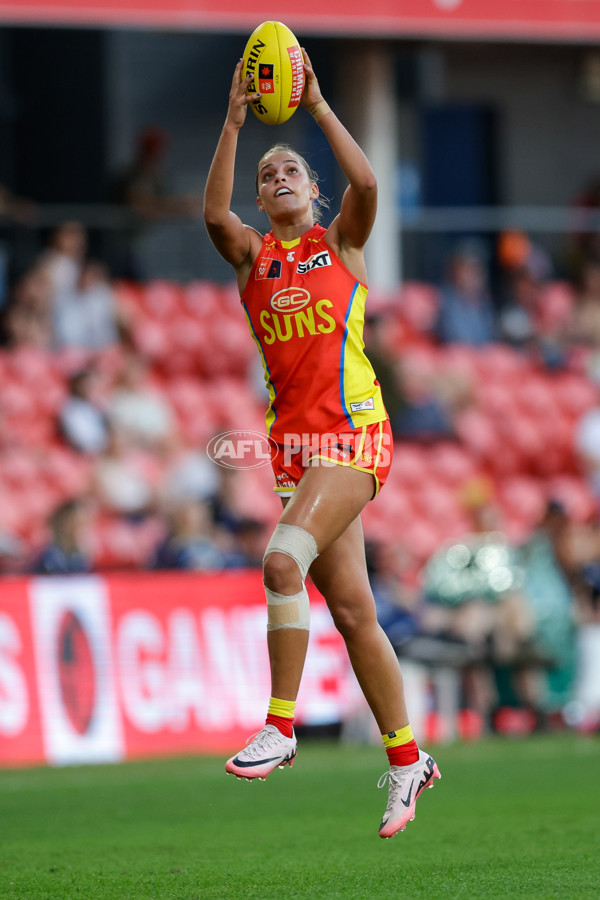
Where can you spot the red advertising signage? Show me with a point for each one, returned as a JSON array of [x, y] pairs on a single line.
[[577, 20], [102, 669]]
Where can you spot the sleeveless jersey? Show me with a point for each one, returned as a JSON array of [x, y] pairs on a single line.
[[306, 314]]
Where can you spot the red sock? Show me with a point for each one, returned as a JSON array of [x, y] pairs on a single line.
[[403, 755], [285, 725]]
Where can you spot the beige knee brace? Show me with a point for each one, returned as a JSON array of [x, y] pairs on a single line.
[[291, 611]]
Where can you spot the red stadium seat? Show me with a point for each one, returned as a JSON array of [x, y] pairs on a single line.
[[202, 300], [162, 300], [452, 464], [524, 498], [575, 394]]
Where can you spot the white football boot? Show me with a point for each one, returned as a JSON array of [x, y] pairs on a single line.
[[266, 750], [405, 785]]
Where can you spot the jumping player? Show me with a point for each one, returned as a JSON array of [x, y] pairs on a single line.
[[303, 289]]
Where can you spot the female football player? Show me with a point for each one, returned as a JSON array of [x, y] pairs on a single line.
[[303, 289]]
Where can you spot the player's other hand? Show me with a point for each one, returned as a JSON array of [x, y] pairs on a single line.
[[311, 94], [238, 98]]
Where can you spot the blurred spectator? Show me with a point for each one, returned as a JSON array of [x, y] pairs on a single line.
[[425, 415], [190, 543], [466, 312], [397, 603], [544, 560], [189, 474], [27, 319], [86, 316], [473, 589], [587, 446], [122, 483], [141, 413], [64, 258], [143, 186], [67, 552], [585, 325], [537, 316], [520, 304], [83, 424], [12, 553], [383, 358], [224, 504], [249, 545]]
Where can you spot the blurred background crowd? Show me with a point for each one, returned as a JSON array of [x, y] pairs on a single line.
[[484, 546]]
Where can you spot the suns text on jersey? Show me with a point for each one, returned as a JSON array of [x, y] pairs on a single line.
[[308, 321]]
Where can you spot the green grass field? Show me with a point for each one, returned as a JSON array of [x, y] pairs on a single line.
[[509, 818]]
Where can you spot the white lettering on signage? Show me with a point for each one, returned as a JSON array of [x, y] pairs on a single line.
[[14, 699], [192, 671], [140, 652]]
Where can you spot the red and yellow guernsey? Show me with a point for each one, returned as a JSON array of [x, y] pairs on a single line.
[[306, 313]]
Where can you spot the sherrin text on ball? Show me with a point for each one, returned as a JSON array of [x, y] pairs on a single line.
[[274, 58]]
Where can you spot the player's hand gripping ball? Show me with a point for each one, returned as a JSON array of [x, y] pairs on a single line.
[[273, 56]]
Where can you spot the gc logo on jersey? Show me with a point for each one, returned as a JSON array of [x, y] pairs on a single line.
[[314, 262], [290, 299]]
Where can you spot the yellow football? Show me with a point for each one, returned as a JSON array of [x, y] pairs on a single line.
[[274, 58]]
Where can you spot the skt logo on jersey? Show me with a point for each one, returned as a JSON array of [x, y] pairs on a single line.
[[268, 268], [314, 262]]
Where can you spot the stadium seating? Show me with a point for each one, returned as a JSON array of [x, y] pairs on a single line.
[[517, 429]]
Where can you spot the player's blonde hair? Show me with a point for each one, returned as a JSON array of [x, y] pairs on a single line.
[[321, 202]]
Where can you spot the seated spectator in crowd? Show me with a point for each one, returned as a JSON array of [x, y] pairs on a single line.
[[190, 542], [248, 545], [425, 415], [224, 505], [397, 602], [65, 256], [472, 588], [587, 446], [123, 480], [83, 424], [466, 312], [86, 316], [383, 358], [27, 318], [137, 410], [585, 325], [520, 305], [189, 473], [12, 553], [67, 552], [547, 564]]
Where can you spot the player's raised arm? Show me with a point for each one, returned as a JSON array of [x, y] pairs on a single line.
[[228, 233], [359, 203]]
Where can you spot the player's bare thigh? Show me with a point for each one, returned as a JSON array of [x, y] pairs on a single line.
[[327, 500]]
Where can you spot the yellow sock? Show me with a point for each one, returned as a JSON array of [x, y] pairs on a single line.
[[401, 747], [397, 738], [284, 708]]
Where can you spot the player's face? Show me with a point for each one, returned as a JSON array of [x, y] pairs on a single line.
[[284, 186]]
